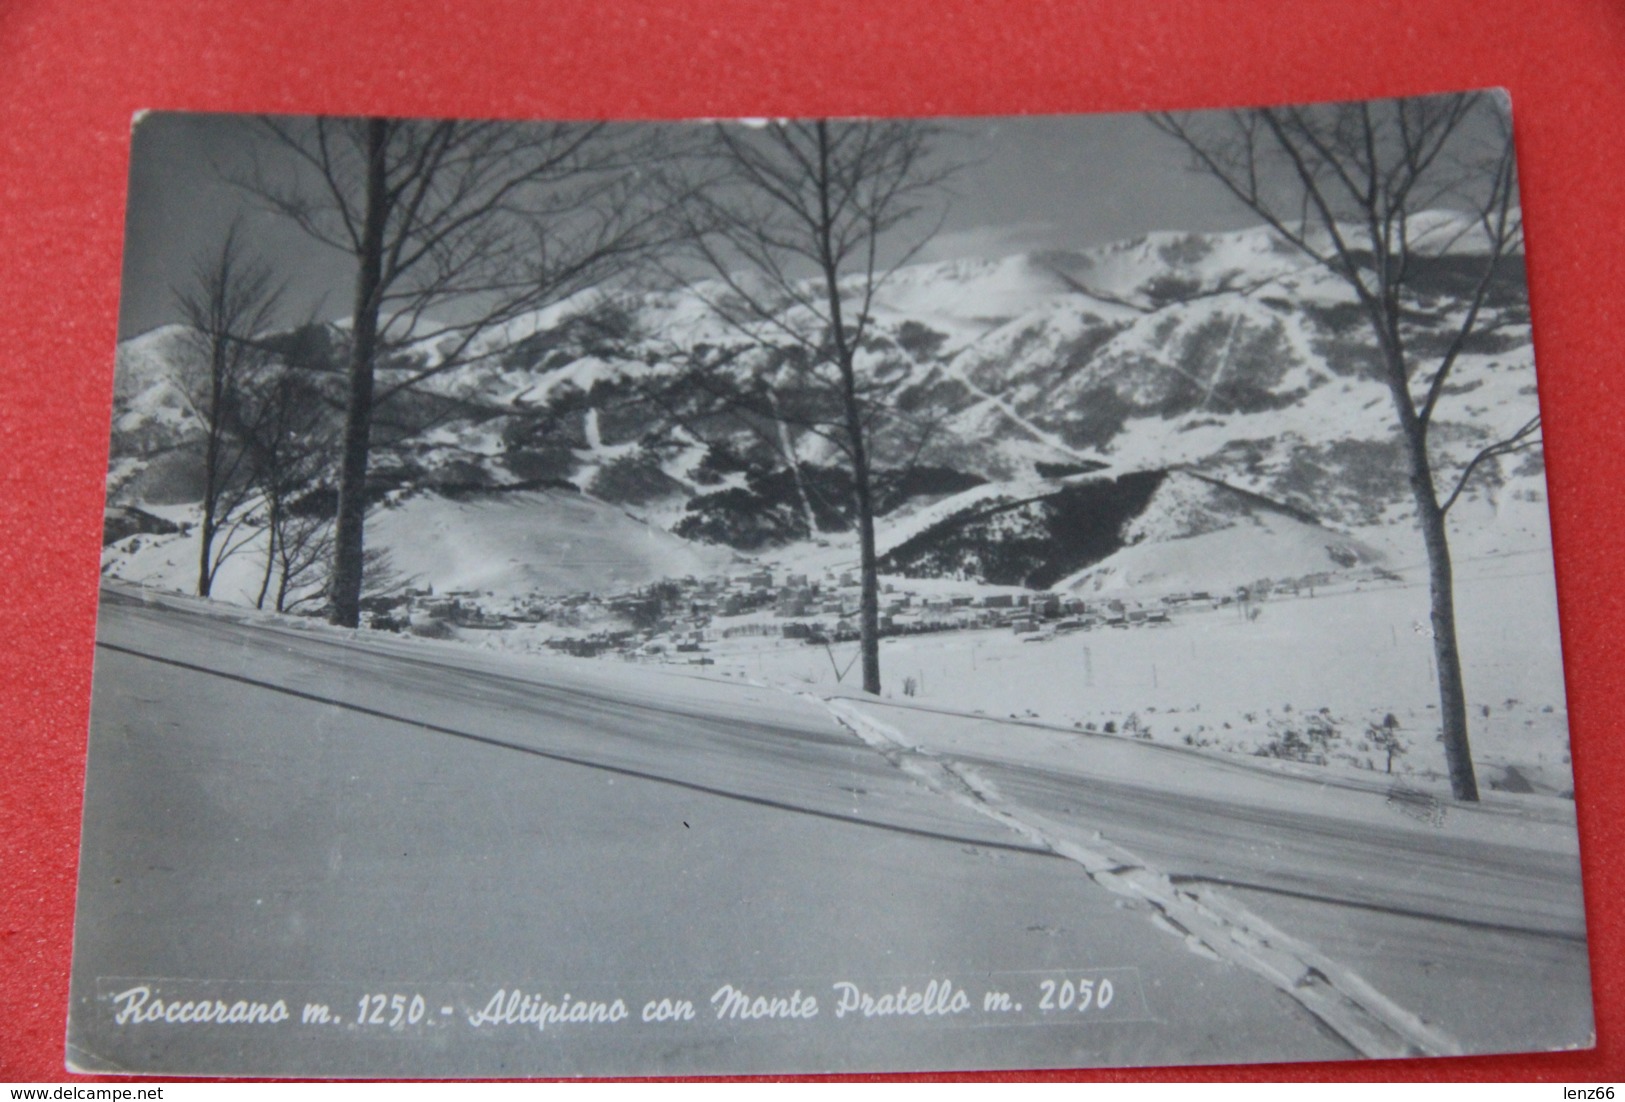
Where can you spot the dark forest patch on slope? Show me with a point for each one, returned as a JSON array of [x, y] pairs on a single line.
[[1033, 542]]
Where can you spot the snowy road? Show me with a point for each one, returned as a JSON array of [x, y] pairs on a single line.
[[1469, 917], [277, 813]]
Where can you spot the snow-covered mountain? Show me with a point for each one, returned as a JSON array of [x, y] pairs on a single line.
[[1027, 379], [1199, 534]]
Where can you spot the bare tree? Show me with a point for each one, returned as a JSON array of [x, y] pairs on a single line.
[[303, 552], [231, 298], [801, 223], [1345, 184], [289, 439], [454, 229]]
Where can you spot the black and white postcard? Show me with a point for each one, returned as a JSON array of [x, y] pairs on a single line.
[[824, 596]]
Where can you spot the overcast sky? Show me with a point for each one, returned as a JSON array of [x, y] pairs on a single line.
[[1037, 182], [1028, 183]]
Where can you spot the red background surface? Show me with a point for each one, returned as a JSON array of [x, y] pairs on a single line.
[[71, 74]]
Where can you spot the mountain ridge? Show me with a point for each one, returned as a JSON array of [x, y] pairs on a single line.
[[1227, 356]]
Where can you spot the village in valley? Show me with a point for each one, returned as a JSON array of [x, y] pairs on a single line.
[[684, 620]]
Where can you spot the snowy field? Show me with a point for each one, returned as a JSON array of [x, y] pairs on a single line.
[[1324, 668]]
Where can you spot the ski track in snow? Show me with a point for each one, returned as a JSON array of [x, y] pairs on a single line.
[[1048, 439], [1208, 923]]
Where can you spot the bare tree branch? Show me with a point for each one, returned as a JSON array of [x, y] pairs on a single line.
[[1523, 438]]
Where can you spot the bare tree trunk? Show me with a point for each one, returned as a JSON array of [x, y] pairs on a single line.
[[282, 589], [1452, 693], [284, 575], [869, 601], [283, 569], [211, 474], [270, 552], [868, 562], [352, 505], [205, 577], [1431, 519]]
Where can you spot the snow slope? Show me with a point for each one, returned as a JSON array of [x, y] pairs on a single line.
[[511, 544], [546, 541], [1265, 546], [1195, 534]]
